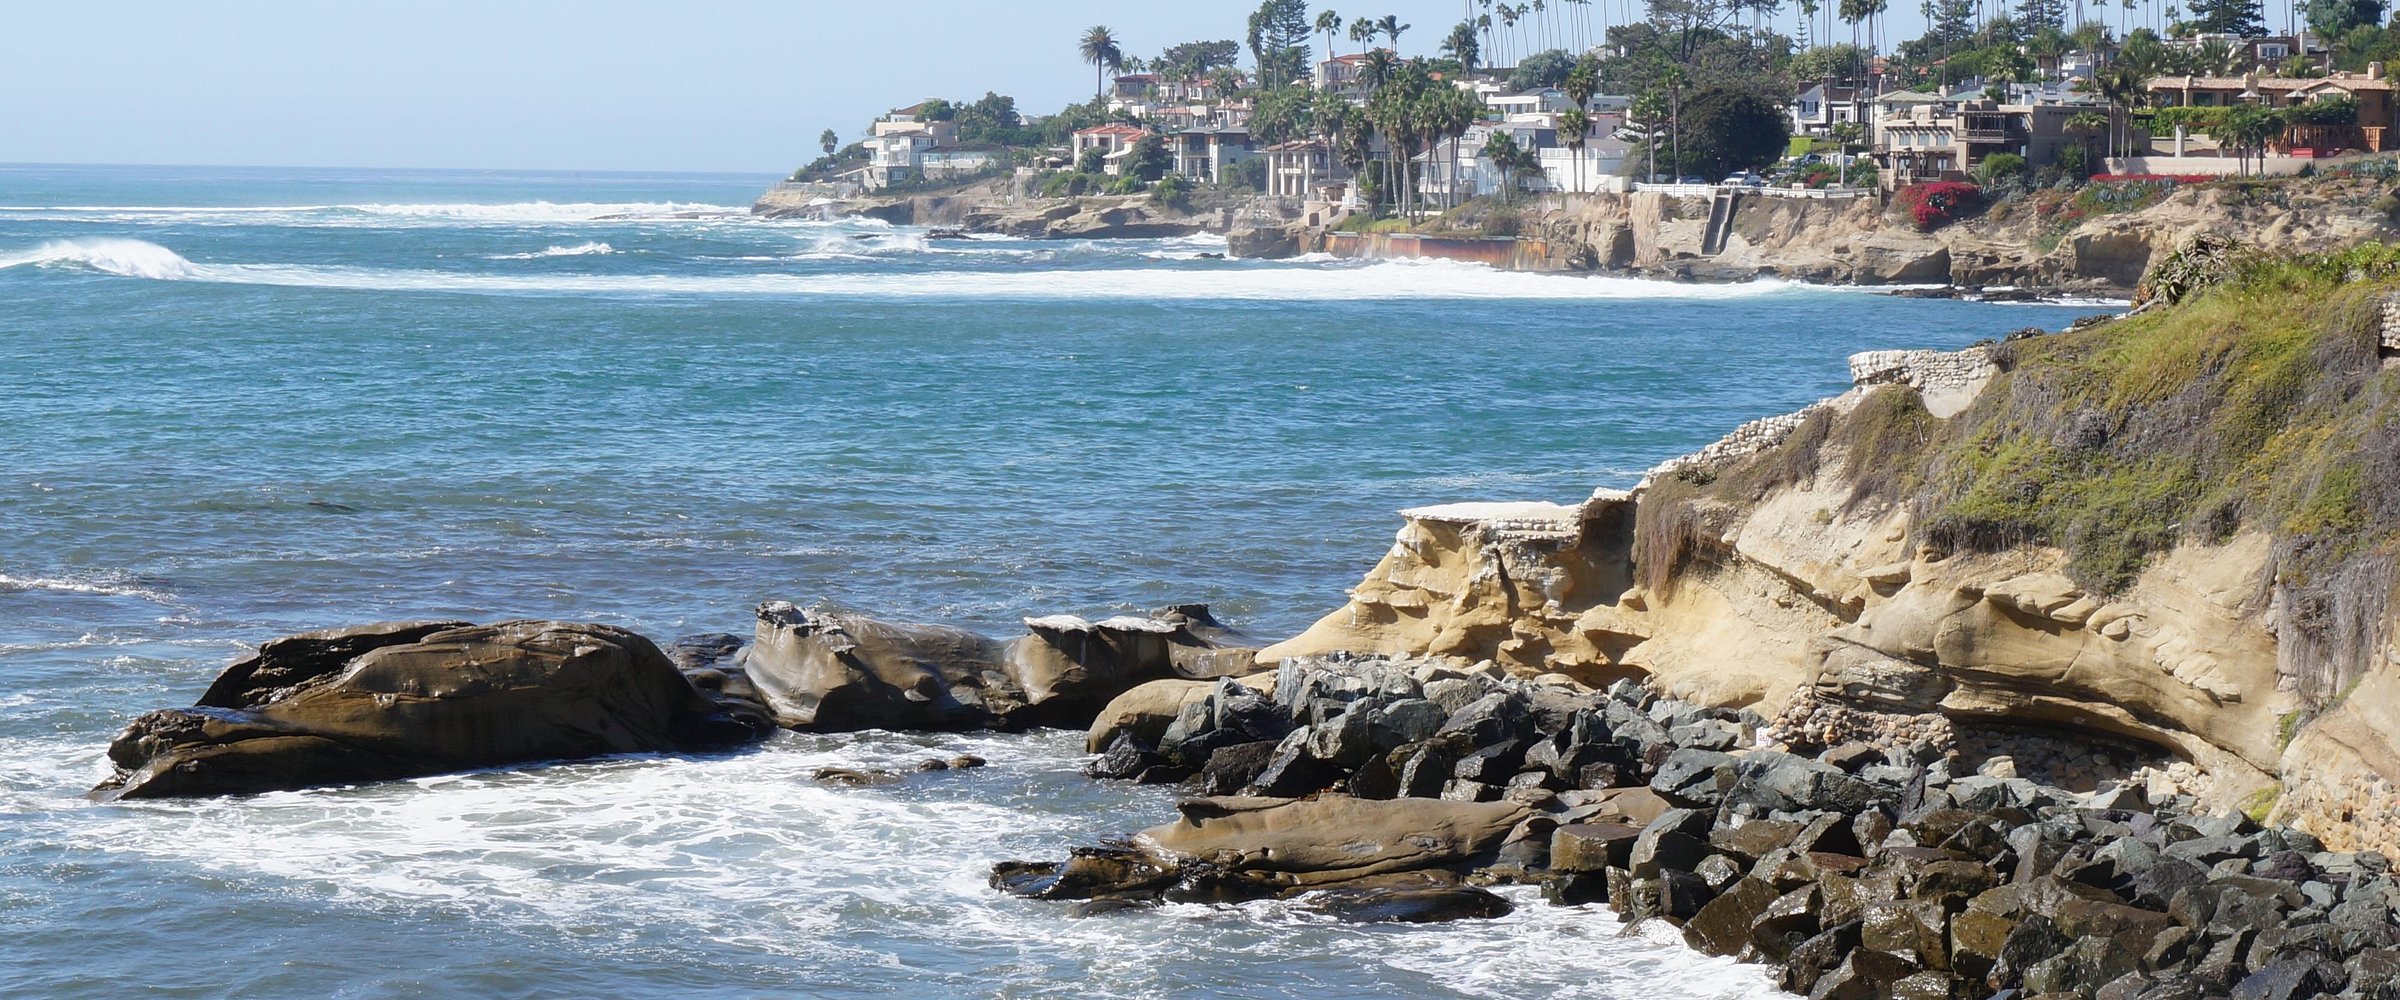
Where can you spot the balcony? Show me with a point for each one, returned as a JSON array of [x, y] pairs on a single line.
[[1987, 135]]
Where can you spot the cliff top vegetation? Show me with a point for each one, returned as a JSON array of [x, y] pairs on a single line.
[[2251, 395]]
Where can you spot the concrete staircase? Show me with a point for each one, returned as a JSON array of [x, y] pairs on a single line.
[[1720, 223]]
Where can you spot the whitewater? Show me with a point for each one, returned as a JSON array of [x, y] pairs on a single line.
[[238, 403]]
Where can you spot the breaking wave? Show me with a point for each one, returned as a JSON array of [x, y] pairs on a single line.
[[586, 248], [378, 214], [1411, 280], [69, 585], [131, 258]]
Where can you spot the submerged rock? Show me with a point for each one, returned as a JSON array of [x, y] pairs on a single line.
[[399, 700], [1414, 905]]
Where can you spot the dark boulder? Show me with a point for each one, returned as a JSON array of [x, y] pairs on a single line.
[[1771, 782], [1692, 777], [1233, 768], [1592, 847], [1124, 760], [2295, 978], [1723, 927], [1414, 905], [385, 702], [2082, 968]]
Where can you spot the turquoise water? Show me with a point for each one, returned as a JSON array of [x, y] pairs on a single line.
[[237, 403]]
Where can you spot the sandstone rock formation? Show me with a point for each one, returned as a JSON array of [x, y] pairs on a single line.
[[1863, 241], [999, 207], [1803, 605], [396, 700], [830, 670]]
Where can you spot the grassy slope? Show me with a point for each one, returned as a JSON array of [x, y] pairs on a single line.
[[2259, 403]]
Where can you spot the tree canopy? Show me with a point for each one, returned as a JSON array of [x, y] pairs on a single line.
[[1727, 130], [2246, 18], [2335, 18], [1542, 69], [1194, 59]]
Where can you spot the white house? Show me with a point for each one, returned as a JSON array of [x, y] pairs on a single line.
[[1203, 152], [1299, 168], [1113, 141]]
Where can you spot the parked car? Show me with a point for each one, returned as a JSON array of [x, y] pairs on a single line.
[[1691, 179], [1747, 178]]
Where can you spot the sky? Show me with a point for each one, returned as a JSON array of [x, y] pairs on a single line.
[[719, 85], [722, 85]]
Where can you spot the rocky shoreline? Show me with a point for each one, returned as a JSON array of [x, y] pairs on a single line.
[[2016, 255], [1398, 789], [1950, 774], [1907, 863]]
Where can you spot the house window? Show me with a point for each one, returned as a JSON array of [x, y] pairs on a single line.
[[2274, 51]]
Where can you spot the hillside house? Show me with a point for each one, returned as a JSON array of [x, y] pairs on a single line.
[[1114, 141]]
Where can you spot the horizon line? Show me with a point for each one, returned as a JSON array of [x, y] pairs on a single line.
[[52, 164]]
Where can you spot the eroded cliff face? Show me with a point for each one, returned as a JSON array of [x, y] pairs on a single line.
[[1863, 241], [1823, 613]]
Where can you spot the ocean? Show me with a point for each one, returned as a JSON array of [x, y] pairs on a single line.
[[237, 403]]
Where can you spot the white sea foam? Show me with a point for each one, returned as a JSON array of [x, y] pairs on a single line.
[[748, 853], [131, 258], [1251, 281], [106, 586], [381, 214], [586, 248]]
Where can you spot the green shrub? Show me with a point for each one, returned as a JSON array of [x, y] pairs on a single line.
[[2074, 162], [1172, 191], [1999, 167]]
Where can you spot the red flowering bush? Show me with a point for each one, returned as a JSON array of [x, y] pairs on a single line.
[[1940, 203]]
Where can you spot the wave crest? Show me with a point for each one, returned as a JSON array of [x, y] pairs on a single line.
[[130, 258], [72, 585], [584, 249]]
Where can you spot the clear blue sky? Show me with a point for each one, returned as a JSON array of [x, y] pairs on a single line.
[[738, 85]]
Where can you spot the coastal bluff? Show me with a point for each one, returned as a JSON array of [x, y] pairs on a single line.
[[1000, 207], [1809, 567]]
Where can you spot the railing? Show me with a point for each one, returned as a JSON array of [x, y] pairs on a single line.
[[1711, 190], [1983, 135], [1680, 190]]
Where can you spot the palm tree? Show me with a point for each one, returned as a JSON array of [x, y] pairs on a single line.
[[1100, 49], [1376, 69], [1391, 28], [1457, 110], [1847, 136], [2047, 47], [1463, 46], [1225, 80], [1363, 32], [1673, 79], [1574, 126], [2122, 87], [829, 140], [2084, 124], [1328, 24]]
